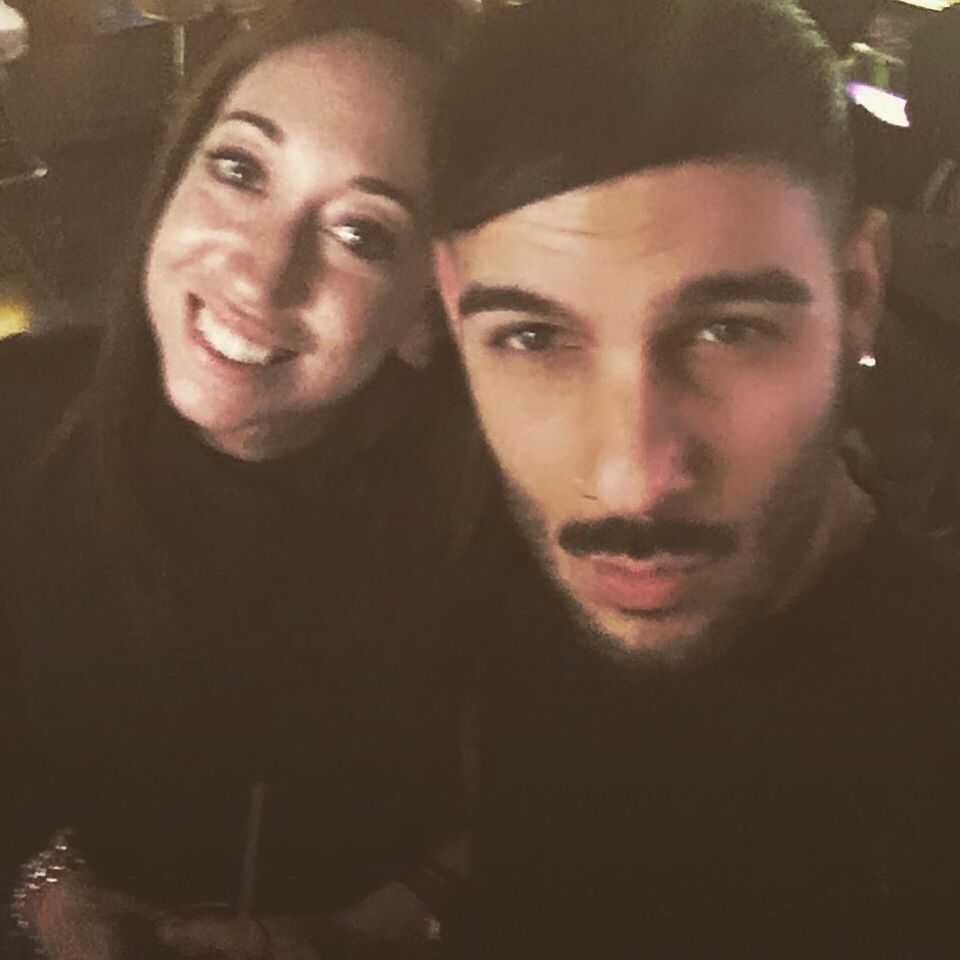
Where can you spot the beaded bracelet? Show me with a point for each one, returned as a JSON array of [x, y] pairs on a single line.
[[37, 876]]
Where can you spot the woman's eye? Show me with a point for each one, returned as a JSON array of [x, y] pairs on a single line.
[[237, 168], [366, 239], [529, 338]]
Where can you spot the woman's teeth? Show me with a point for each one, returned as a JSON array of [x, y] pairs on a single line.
[[230, 344]]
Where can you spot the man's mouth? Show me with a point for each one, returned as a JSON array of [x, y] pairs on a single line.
[[223, 337], [654, 585]]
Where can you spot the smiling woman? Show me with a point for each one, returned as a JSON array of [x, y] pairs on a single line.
[[232, 527], [290, 261]]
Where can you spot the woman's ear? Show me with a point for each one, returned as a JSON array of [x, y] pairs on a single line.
[[416, 346], [445, 271], [866, 262]]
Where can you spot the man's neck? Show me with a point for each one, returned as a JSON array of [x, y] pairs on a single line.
[[847, 517]]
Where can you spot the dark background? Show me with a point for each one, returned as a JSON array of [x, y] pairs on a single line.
[[90, 99]]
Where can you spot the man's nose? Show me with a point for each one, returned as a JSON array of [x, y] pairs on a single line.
[[274, 264], [644, 454]]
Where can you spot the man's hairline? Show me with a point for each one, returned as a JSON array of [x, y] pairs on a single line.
[[837, 209]]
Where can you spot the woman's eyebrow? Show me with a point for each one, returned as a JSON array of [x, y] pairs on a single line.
[[382, 188], [264, 124], [372, 185]]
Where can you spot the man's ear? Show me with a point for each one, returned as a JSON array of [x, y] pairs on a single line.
[[865, 264], [448, 283]]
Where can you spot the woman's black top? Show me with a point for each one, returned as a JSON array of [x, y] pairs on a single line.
[[306, 638]]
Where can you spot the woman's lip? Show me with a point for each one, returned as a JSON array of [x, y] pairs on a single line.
[[655, 584], [214, 361], [240, 323]]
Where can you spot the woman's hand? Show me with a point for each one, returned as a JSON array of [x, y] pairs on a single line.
[[390, 923], [213, 934], [78, 920]]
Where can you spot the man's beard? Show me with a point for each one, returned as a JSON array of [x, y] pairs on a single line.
[[784, 523]]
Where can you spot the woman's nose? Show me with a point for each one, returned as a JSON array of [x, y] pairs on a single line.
[[274, 266]]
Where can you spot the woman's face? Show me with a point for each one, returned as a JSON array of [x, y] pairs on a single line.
[[292, 257]]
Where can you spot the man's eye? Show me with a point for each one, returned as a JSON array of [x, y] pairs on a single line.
[[366, 239], [529, 338], [237, 168], [735, 331]]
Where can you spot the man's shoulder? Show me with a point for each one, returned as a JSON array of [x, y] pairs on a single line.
[[908, 584], [908, 595], [915, 566]]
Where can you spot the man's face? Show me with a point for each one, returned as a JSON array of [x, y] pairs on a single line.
[[656, 362]]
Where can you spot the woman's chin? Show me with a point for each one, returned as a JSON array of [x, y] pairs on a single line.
[[246, 431], [243, 414], [213, 418]]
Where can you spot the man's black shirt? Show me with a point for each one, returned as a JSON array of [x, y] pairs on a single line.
[[795, 798]]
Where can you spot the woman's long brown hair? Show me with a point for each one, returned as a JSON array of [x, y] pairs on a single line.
[[109, 420]]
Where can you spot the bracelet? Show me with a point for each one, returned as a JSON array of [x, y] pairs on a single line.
[[37, 875]]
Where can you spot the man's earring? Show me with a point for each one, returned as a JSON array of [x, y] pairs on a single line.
[[867, 360]]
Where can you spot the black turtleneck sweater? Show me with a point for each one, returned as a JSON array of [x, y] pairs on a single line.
[[305, 642], [799, 797]]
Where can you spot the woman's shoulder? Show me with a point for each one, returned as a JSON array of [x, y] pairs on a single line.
[[40, 375], [46, 359]]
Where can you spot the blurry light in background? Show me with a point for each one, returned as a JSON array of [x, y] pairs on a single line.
[[15, 315], [884, 105], [935, 5], [14, 34], [22, 291]]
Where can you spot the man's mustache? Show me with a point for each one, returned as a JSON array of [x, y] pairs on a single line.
[[641, 539]]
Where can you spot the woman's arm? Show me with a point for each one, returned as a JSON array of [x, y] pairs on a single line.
[[400, 920]]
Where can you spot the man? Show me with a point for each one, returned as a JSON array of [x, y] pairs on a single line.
[[721, 721]]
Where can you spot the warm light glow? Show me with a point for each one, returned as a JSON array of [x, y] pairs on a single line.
[[935, 5], [884, 105], [14, 318], [14, 34]]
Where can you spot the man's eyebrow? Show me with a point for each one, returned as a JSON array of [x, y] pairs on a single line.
[[478, 298], [258, 120], [384, 189], [772, 285]]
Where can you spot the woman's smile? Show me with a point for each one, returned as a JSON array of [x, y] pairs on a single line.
[[233, 337], [289, 261]]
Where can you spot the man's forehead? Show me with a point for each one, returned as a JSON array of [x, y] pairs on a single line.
[[682, 192], [689, 219]]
